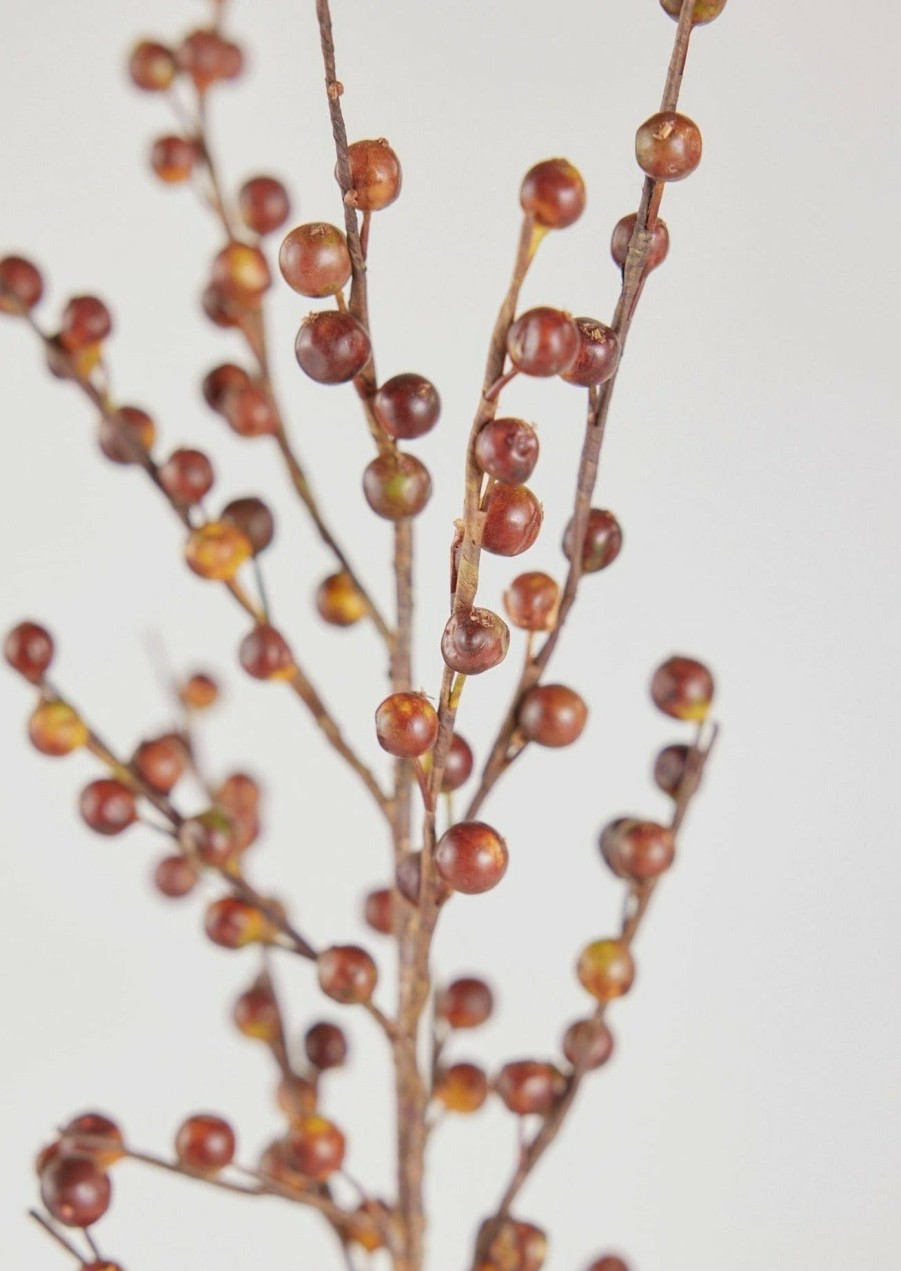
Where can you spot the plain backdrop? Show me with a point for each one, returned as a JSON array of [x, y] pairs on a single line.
[[751, 1115]]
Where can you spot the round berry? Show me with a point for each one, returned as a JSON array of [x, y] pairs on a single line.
[[56, 729], [474, 640], [209, 58], [465, 1003], [332, 347], [233, 923], [378, 910], [127, 436], [670, 768], [513, 517], [221, 310], [296, 1096], [598, 356], [637, 850], [266, 655], [605, 968], [406, 725], [347, 974], [543, 342], [199, 692], [602, 542], [175, 877], [554, 193], [161, 762], [622, 237], [609, 1262], [93, 1135], [221, 381], [532, 601], [205, 1144], [339, 601], [552, 715], [75, 1191], [325, 1045], [374, 173], [152, 66], [407, 406], [588, 1043], [29, 649], [187, 476], [315, 1147], [209, 837], [107, 806], [251, 411], [507, 449], [263, 204], [471, 857], [518, 1246], [461, 1088], [529, 1087], [217, 550], [704, 11], [241, 273], [397, 486], [172, 159], [314, 260], [239, 793], [255, 1014], [457, 765], [682, 688], [86, 321], [668, 146], [21, 285], [254, 519]]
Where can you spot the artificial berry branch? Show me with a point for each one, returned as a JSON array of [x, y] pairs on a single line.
[[444, 857]]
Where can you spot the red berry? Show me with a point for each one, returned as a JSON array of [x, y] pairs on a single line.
[[554, 193], [407, 406], [233, 924], [378, 910], [598, 356], [507, 449], [29, 649], [161, 762], [457, 765], [256, 1015], [622, 237], [264, 204], [187, 476], [668, 146], [108, 806], [552, 715], [683, 688], [209, 837], [208, 58], [205, 1144], [513, 517], [221, 310], [471, 857], [637, 850], [152, 66], [175, 877], [543, 342], [406, 725], [314, 260], [221, 381], [602, 542], [332, 347], [532, 601], [21, 285], [266, 655], [474, 640], [375, 174], [347, 974], [127, 436], [86, 321], [588, 1042], [95, 1136], [241, 273], [254, 519], [75, 1191], [397, 486], [465, 1003], [173, 158], [669, 768], [325, 1046], [315, 1147], [530, 1087], [251, 411]]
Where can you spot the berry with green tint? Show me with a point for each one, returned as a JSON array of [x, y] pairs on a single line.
[[602, 542], [397, 486]]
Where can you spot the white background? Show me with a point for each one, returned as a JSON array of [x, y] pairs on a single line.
[[751, 1116]]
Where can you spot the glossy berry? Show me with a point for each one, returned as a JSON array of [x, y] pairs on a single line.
[[622, 237], [314, 260], [471, 857], [233, 924], [598, 356], [543, 342], [263, 204], [172, 158], [637, 850], [332, 347], [209, 837], [209, 58], [507, 449], [407, 406], [682, 688], [465, 1003], [315, 1147], [325, 1046], [256, 1014], [669, 768], [608, 1262], [187, 476], [217, 550], [406, 725], [75, 1191], [21, 285], [457, 765], [474, 640], [296, 1096], [668, 146], [127, 436], [378, 910], [605, 968], [396, 486], [93, 1135], [704, 11], [152, 66], [554, 193], [461, 1088], [86, 321], [29, 649], [241, 273], [552, 715], [205, 1144], [532, 600], [602, 542], [107, 806], [56, 729], [266, 655], [347, 974], [161, 762], [199, 692], [529, 1087], [175, 877], [222, 381], [251, 411], [513, 517], [339, 601], [254, 520], [374, 173], [518, 1246], [588, 1042]]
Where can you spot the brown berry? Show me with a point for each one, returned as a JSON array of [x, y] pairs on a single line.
[[407, 406], [152, 66], [461, 1088], [75, 1191], [605, 968], [683, 688], [93, 1135], [233, 924], [529, 1087], [251, 411], [457, 765], [588, 1043], [314, 260], [471, 857], [161, 762], [29, 649], [668, 146], [465, 1003], [241, 273], [325, 1045], [378, 910], [86, 321], [608, 1262], [175, 877], [532, 601], [187, 476], [598, 356], [315, 1147], [406, 725], [263, 204], [397, 486], [127, 436], [670, 767], [221, 310], [297, 1098], [21, 285], [518, 1246], [217, 550], [254, 519], [374, 173], [347, 974], [332, 347], [256, 1014], [108, 806], [474, 640], [507, 449], [221, 381], [602, 542], [543, 342], [552, 715], [265, 654], [199, 692], [172, 158], [339, 601], [637, 850], [513, 517], [205, 1144], [554, 193], [209, 837], [209, 58], [622, 237]]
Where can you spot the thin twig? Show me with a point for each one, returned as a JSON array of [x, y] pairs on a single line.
[[54, 1234]]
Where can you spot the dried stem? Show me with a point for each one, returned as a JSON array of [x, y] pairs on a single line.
[[54, 1234]]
